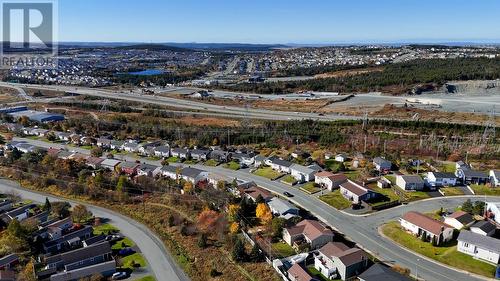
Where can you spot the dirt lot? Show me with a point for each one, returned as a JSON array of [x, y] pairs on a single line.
[[43, 93], [8, 95]]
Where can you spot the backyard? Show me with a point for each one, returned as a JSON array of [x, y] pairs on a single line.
[[283, 250], [288, 179], [446, 254]]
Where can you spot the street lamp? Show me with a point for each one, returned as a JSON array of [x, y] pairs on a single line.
[[416, 269]]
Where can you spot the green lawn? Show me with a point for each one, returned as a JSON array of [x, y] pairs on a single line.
[[416, 195], [334, 166], [146, 278], [316, 274], [267, 172], [446, 254], [289, 179], [173, 159], [448, 167], [283, 250], [336, 200], [310, 188], [136, 258], [452, 191], [104, 228], [484, 190], [189, 162], [352, 175], [211, 163], [232, 166], [391, 178], [123, 243]]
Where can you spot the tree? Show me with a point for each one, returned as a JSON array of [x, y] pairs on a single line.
[[80, 213], [467, 206], [46, 206], [259, 199], [188, 187], [28, 272], [202, 241], [121, 184], [263, 213], [255, 254], [171, 220], [51, 136], [277, 225], [238, 253], [96, 152], [478, 208], [232, 212], [234, 227], [209, 220], [61, 209]]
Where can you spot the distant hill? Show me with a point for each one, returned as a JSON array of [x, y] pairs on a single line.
[[154, 47], [228, 46]]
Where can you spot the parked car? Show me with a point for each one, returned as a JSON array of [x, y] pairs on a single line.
[[119, 275], [126, 252], [287, 194]]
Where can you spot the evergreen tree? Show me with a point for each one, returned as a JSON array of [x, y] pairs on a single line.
[[238, 253], [47, 206], [202, 241]]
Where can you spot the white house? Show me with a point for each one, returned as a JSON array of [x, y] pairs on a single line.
[[302, 173], [311, 232], [341, 157], [169, 171], [410, 182], [162, 151], [421, 225], [495, 177], [356, 193], [279, 164], [329, 180], [493, 211], [381, 164], [437, 179], [193, 175], [478, 246], [180, 153], [459, 220], [130, 146], [110, 164]]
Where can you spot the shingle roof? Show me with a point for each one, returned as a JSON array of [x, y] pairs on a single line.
[[379, 272], [425, 222], [324, 174], [481, 241], [311, 229], [462, 217], [191, 172], [299, 273], [485, 226], [354, 188], [412, 179], [302, 169], [281, 162], [280, 205], [443, 175], [82, 253]]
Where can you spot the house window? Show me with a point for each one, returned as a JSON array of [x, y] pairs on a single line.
[[466, 245]]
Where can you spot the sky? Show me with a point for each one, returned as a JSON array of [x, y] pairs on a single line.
[[279, 21]]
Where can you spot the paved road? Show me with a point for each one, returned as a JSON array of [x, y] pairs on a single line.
[[160, 261], [188, 104], [361, 229]]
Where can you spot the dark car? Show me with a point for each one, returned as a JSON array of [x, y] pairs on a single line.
[[126, 252], [287, 194]]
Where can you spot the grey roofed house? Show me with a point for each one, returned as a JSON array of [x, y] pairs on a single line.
[[116, 143], [9, 259], [444, 175], [63, 154], [55, 245], [382, 162], [474, 174], [169, 169], [164, 149], [484, 242], [191, 172], [199, 153], [68, 258], [106, 269], [485, 226], [146, 168], [380, 272], [302, 169], [10, 215], [280, 162], [315, 167], [282, 208], [110, 163]]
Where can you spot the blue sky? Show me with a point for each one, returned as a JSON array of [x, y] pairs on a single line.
[[279, 21]]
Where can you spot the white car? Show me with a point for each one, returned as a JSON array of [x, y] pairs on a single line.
[[119, 275]]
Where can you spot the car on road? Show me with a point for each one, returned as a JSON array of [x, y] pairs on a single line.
[[119, 275], [287, 194]]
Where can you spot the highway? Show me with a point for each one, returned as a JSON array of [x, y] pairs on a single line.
[[360, 229], [187, 104], [160, 262]]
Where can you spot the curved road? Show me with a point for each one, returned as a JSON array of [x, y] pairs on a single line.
[[161, 263], [361, 229]]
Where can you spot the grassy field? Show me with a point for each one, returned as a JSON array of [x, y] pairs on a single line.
[[104, 228], [448, 167], [352, 175], [452, 191], [310, 188], [129, 261], [289, 179], [484, 190], [391, 178], [267, 172], [211, 163], [334, 166], [336, 200], [124, 243], [283, 249], [447, 254], [316, 274], [416, 195], [232, 166]]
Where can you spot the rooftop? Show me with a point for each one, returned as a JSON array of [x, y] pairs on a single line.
[[434, 226], [481, 241]]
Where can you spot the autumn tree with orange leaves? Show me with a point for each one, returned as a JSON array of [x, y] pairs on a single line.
[[210, 221], [263, 213]]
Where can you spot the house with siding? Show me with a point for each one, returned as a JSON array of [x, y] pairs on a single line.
[[314, 233], [459, 220], [410, 182], [381, 164], [279, 164], [302, 173], [357, 193], [438, 179], [480, 247], [335, 260], [495, 178], [329, 180], [297, 273], [162, 151], [485, 228], [282, 208], [421, 225]]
